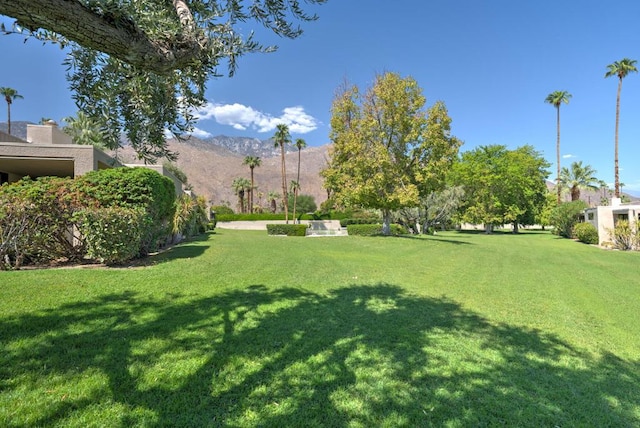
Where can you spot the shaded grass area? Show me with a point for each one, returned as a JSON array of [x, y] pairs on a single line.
[[249, 330]]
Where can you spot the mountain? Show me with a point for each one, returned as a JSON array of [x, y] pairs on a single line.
[[18, 128], [211, 167], [248, 146]]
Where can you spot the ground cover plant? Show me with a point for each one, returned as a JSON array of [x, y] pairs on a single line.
[[244, 329]]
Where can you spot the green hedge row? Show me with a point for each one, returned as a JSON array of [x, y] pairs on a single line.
[[287, 229], [373, 230], [371, 220]]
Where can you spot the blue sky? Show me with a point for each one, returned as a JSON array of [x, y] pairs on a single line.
[[492, 62]]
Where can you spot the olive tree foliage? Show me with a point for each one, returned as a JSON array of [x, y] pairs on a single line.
[[387, 149], [140, 68]]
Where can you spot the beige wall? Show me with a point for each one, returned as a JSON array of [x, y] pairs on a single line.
[[47, 134]]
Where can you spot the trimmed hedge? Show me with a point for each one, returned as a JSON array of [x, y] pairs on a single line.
[[370, 220], [287, 229], [373, 230]]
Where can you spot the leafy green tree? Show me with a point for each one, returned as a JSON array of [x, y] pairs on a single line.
[[140, 67], [565, 216], [305, 204], [9, 95], [556, 98], [281, 139], [502, 186], [579, 177], [620, 69], [543, 218], [439, 207], [241, 185], [387, 150], [252, 162]]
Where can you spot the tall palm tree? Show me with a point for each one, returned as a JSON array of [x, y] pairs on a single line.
[[300, 144], [252, 162], [556, 98], [621, 69], [9, 94], [281, 138], [579, 177], [295, 187]]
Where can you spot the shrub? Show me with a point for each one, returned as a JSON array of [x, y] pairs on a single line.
[[585, 232], [565, 216], [624, 236], [370, 220], [190, 218], [373, 230], [287, 229], [134, 187], [47, 206], [113, 235], [221, 209]]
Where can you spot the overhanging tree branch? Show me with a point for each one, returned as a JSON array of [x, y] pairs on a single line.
[[112, 33]]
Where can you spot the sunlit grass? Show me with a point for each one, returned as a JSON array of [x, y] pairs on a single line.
[[244, 329]]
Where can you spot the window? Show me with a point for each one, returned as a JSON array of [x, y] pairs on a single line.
[[590, 216]]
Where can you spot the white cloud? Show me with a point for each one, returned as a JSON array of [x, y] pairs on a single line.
[[568, 156], [242, 117], [199, 133]]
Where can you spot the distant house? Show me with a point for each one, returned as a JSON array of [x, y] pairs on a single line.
[[604, 218], [47, 151]]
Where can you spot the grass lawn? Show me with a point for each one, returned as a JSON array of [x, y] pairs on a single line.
[[241, 329]]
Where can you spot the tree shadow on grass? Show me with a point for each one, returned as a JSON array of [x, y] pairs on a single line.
[[358, 356]]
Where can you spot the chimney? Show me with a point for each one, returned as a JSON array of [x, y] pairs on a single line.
[[49, 133]]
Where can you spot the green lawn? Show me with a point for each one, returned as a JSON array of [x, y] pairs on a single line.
[[241, 329]]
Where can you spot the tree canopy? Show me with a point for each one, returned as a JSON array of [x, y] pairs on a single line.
[[387, 150], [502, 186], [140, 68]]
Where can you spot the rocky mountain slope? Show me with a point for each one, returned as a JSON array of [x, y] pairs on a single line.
[[211, 168]]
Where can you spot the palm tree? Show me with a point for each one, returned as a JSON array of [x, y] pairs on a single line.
[[273, 197], [556, 98], [295, 187], [621, 69], [579, 177], [281, 138], [9, 94], [300, 144], [240, 186], [251, 162]]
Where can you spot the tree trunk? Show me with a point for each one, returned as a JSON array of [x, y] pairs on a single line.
[[115, 35], [285, 198], [558, 189], [516, 227], [386, 222], [488, 228], [8, 118], [575, 193], [251, 193], [615, 156]]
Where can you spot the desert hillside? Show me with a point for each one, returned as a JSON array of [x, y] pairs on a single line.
[[211, 169]]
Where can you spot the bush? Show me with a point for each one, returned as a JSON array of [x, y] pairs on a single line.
[[190, 218], [134, 187], [585, 232], [373, 230], [624, 236], [370, 220], [221, 209], [113, 235], [565, 216], [287, 229]]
